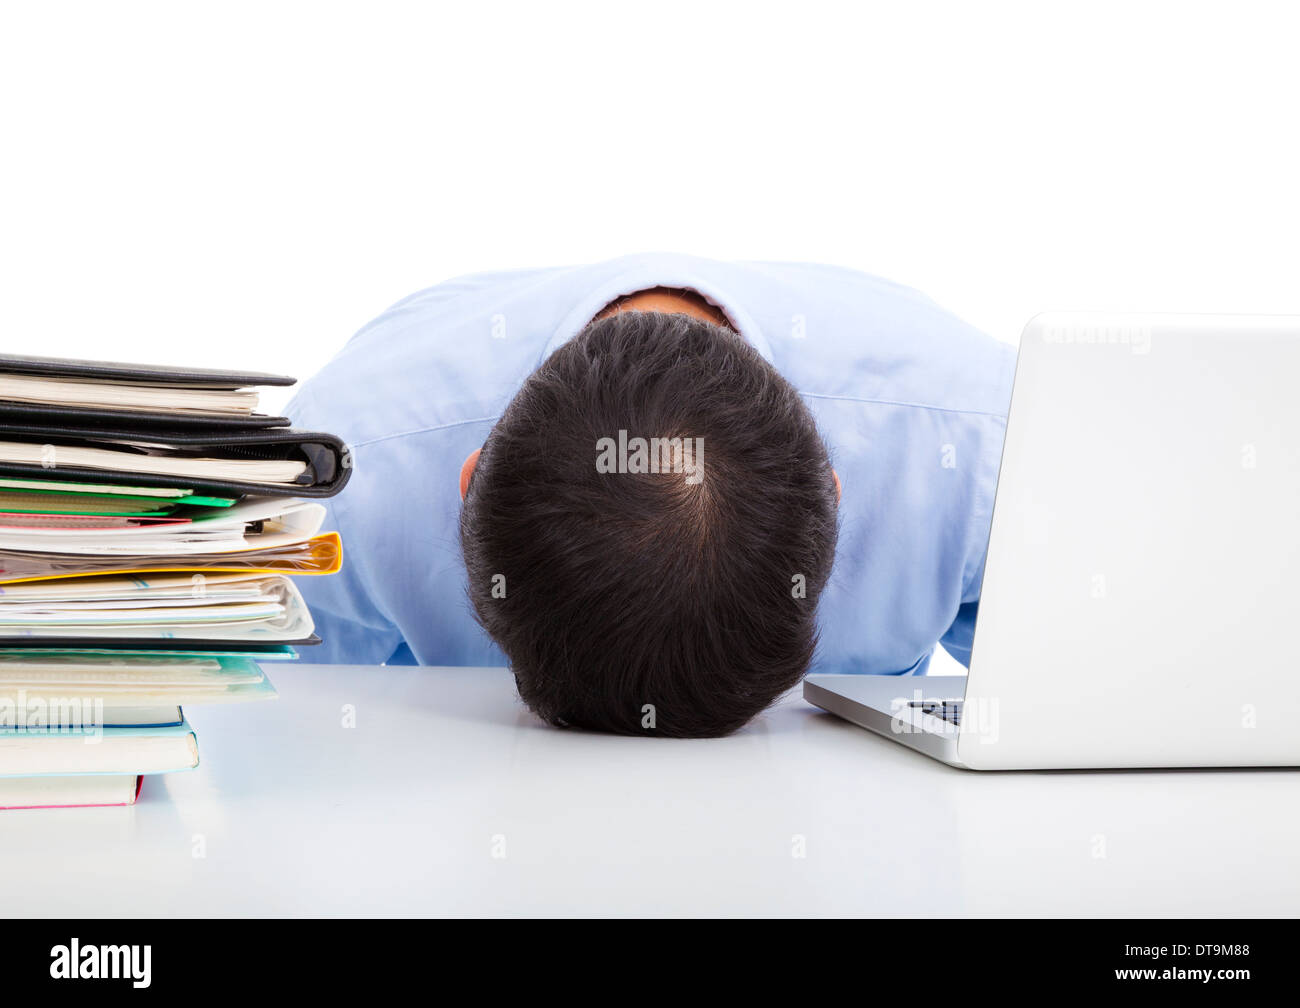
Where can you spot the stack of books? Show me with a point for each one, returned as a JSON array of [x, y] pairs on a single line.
[[150, 520]]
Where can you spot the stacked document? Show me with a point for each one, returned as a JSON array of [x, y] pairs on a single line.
[[151, 520]]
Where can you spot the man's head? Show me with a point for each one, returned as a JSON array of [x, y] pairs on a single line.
[[669, 589]]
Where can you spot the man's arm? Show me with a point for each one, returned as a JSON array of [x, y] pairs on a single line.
[[351, 629], [959, 637]]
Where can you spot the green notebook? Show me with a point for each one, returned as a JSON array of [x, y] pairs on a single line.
[[59, 498]]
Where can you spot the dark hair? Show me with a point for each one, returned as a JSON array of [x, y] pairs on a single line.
[[639, 588]]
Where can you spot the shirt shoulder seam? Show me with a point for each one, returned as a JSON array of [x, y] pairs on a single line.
[[906, 405], [424, 430]]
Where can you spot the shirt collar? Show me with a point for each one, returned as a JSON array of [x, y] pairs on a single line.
[[650, 272]]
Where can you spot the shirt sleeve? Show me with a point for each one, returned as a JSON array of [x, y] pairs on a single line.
[[959, 637], [352, 629]]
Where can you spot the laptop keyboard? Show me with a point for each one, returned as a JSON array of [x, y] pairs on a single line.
[[948, 710]]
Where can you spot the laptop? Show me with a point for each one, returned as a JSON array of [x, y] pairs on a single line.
[[1141, 596]]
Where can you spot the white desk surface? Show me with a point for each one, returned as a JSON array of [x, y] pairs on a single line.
[[408, 812]]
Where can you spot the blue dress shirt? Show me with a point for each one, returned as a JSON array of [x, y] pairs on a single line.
[[911, 401]]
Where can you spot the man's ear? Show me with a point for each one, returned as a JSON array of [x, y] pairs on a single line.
[[467, 470], [839, 492]]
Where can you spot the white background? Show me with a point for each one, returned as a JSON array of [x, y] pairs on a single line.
[[247, 184]]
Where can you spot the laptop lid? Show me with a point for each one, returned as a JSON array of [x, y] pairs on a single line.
[[1142, 586]]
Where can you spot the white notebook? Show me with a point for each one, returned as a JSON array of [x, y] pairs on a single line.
[[125, 395], [279, 521], [103, 750], [162, 462], [68, 792]]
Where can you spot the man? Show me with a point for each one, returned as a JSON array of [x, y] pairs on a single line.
[[650, 516]]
